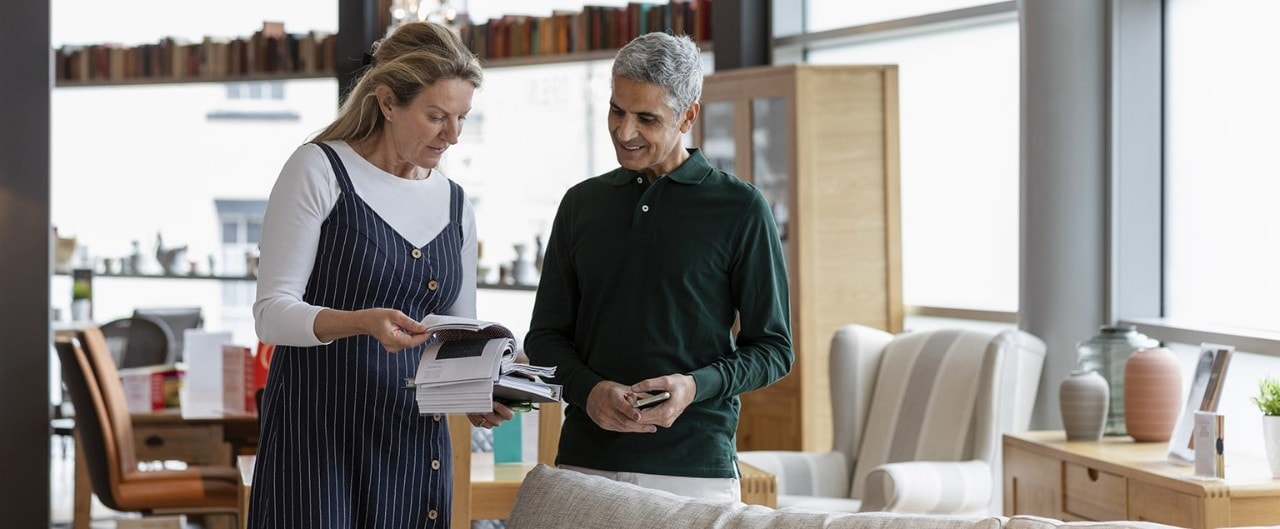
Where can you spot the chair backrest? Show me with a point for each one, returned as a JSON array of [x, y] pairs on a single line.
[[94, 346], [146, 341], [176, 320], [97, 435], [948, 395], [116, 333]]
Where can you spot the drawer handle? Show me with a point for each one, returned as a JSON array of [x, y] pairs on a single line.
[[155, 441], [1093, 474]]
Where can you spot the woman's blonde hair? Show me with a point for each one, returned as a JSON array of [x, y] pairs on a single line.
[[412, 58]]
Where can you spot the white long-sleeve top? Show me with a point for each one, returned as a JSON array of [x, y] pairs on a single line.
[[302, 198]]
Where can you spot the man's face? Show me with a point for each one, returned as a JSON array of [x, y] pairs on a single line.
[[645, 132]]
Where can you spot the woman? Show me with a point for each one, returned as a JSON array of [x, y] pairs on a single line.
[[362, 238]]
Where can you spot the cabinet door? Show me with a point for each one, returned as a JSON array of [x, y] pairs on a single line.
[[1151, 503], [770, 159], [1032, 484], [717, 135]]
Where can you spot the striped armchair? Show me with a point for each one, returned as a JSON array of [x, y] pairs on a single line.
[[917, 422]]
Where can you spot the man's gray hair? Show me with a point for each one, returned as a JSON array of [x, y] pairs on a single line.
[[668, 61]]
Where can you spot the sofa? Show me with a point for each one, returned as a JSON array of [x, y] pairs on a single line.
[[551, 498]]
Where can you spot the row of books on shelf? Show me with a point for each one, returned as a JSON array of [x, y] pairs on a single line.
[[593, 28], [270, 51]]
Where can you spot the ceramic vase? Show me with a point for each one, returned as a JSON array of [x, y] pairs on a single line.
[[1083, 398], [1152, 394], [1271, 439]]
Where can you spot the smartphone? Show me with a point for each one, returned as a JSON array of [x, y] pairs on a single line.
[[651, 400]]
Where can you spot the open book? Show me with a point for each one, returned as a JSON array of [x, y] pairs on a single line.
[[470, 363]]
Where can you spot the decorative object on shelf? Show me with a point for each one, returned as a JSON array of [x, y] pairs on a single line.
[[1106, 353], [1152, 391], [133, 263], [523, 271], [64, 248], [1206, 388], [1083, 398], [251, 263], [82, 294], [1268, 401], [170, 258]]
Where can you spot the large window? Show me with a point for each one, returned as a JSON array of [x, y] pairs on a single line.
[[822, 15], [1222, 224], [958, 104]]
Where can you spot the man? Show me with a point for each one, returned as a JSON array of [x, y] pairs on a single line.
[[647, 268]]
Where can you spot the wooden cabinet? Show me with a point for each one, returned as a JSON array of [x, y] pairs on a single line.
[[821, 143], [1119, 479]]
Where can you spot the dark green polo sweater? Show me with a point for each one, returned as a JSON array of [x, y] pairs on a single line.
[[643, 280]]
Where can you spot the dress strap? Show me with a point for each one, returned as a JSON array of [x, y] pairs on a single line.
[[340, 170], [455, 206]]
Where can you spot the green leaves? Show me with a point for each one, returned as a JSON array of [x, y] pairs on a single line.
[[1268, 397]]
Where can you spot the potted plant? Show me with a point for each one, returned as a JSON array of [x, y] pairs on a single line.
[[1268, 401]]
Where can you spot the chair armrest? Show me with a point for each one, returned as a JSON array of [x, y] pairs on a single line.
[[929, 487], [803, 473]]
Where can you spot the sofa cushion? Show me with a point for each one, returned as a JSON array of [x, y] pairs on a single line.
[[553, 498]]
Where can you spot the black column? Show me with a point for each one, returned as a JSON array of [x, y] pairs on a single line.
[[742, 32], [25, 91], [358, 27]]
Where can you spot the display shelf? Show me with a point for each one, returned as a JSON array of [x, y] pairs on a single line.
[[228, 79], [270, 53], [821, 144]]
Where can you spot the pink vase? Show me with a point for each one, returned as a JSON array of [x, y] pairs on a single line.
[[1152, 394]]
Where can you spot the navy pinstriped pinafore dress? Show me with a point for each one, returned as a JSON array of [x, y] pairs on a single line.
[[342, 443]]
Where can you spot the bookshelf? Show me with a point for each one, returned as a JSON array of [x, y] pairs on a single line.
[[269, 54], [593, 29]]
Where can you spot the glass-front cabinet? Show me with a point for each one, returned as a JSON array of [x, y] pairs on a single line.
[[821, 145]]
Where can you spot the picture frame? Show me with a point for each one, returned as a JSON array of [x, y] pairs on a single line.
[[1205, 391]]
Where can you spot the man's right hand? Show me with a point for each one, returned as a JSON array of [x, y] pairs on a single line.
[[609, 405]]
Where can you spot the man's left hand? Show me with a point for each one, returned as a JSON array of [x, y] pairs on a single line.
[[682, 388]]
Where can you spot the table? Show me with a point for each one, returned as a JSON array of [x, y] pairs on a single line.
[[1119, 479], [166, 435]]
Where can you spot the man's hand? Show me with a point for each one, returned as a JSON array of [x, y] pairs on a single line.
[[501, 413], [682, 388], [610, 405]]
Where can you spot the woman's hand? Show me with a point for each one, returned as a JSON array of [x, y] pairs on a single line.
[[390, 327]]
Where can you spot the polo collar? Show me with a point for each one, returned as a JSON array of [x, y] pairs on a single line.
[[692, 172]]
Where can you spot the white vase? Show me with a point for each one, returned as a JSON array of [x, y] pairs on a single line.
[[1271, 438], [1083, 397]]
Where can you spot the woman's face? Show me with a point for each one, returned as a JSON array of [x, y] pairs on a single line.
[[422, 130]]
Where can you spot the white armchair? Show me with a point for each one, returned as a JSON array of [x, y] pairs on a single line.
[[917, 422]]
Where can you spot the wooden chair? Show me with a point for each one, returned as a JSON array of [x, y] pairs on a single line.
[[492, 499], [104, 430]]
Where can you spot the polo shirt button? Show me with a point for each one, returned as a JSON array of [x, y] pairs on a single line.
[[639, 180], [416, 253], [433, 284], [644, 208], [435, 464], [432, 514]]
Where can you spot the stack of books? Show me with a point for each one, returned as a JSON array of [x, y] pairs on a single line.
[[470, 363]]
